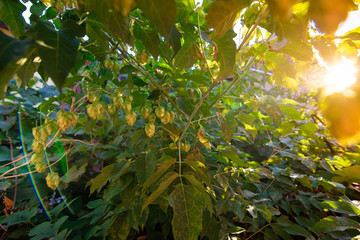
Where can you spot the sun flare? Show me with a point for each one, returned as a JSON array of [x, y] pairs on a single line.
[[340, 76]]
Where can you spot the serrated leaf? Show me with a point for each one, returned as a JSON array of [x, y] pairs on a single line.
[[113, 20], [57, 50], [222, 15], [226, 52], [188, 204], [100, 180], [308, 129], [346, 207], [12, 57], [175, 39], [120, 228], [167, 163], [170, 177], [330, 224], [299, 50], [94, 29], [138, 217], [26, 71], [188, 53], [11, 15], [148, 37], [161, 13], [145, 164], [173, 131]]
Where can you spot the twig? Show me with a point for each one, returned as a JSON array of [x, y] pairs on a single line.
[[12, 159]]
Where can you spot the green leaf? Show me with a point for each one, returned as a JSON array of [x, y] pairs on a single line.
[[161, 13], [299, 50], [188, 53], [26, 71], [12, 57], [167, 163], [330, 224], [57, 50], [188, 204], [341, 206], [173, 131], [228, 126], [100, 180], [113, 20], [145, 164], [120, 228], [222, 15], [175, 39], [226, 52], [169, 178], [298, 230], [291, 111], [11, 15], [148, 37], [308, 129], [138, 217], [94, 29]]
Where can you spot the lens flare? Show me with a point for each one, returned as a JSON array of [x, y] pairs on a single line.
[[32, 180], [339, 77]]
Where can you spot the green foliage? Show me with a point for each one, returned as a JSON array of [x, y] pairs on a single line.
[[146, 119]]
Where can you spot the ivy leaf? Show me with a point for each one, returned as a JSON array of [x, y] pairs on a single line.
[[12, 57], [226, 52], [222, 15], [113, 20], [188, 204], [149, 39], [169, 178], [57, 50], [161, 13], [330, 224], [11, 15]]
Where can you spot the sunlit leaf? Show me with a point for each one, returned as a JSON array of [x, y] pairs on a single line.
[[226, 52], [11, 14]]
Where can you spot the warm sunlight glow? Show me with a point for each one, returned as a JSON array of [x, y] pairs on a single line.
[[340, 76]]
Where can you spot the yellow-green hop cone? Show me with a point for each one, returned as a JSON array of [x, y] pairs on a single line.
[[151, 117], [108, 64], [91, 97], [63, 120], [50, 126], [173, 146], [37, 146], [40, 134], [131, 118], [40, 167], [91, 111], [186, 147], [166, 118], [116, 66], [129, 98], [74, 118], [52, 180], [111, 109], [150, 129], [160, 112], [37, 158], [145, 111], [118, 101], [172, 116], [127, 106]]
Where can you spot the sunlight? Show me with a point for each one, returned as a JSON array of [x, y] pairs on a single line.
[[339, 76]]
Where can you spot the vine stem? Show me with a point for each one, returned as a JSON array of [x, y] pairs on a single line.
[[15, 173], [258, 231]]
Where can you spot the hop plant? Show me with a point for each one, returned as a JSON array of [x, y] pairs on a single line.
[[111, 109], [66, 119], [108, 64], [40, 167], [50, 126], [96, 109], [52, 180], [37, 158], [37, 146], [150, 129], [129, 98], [145, 111], [151, 117], [40, 134], [173, 146], [172, 116], [131, 118], [127, 106], [186, 147], [116, 66], [166, 118], [160, 112], [91, 97], [118, 101]]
